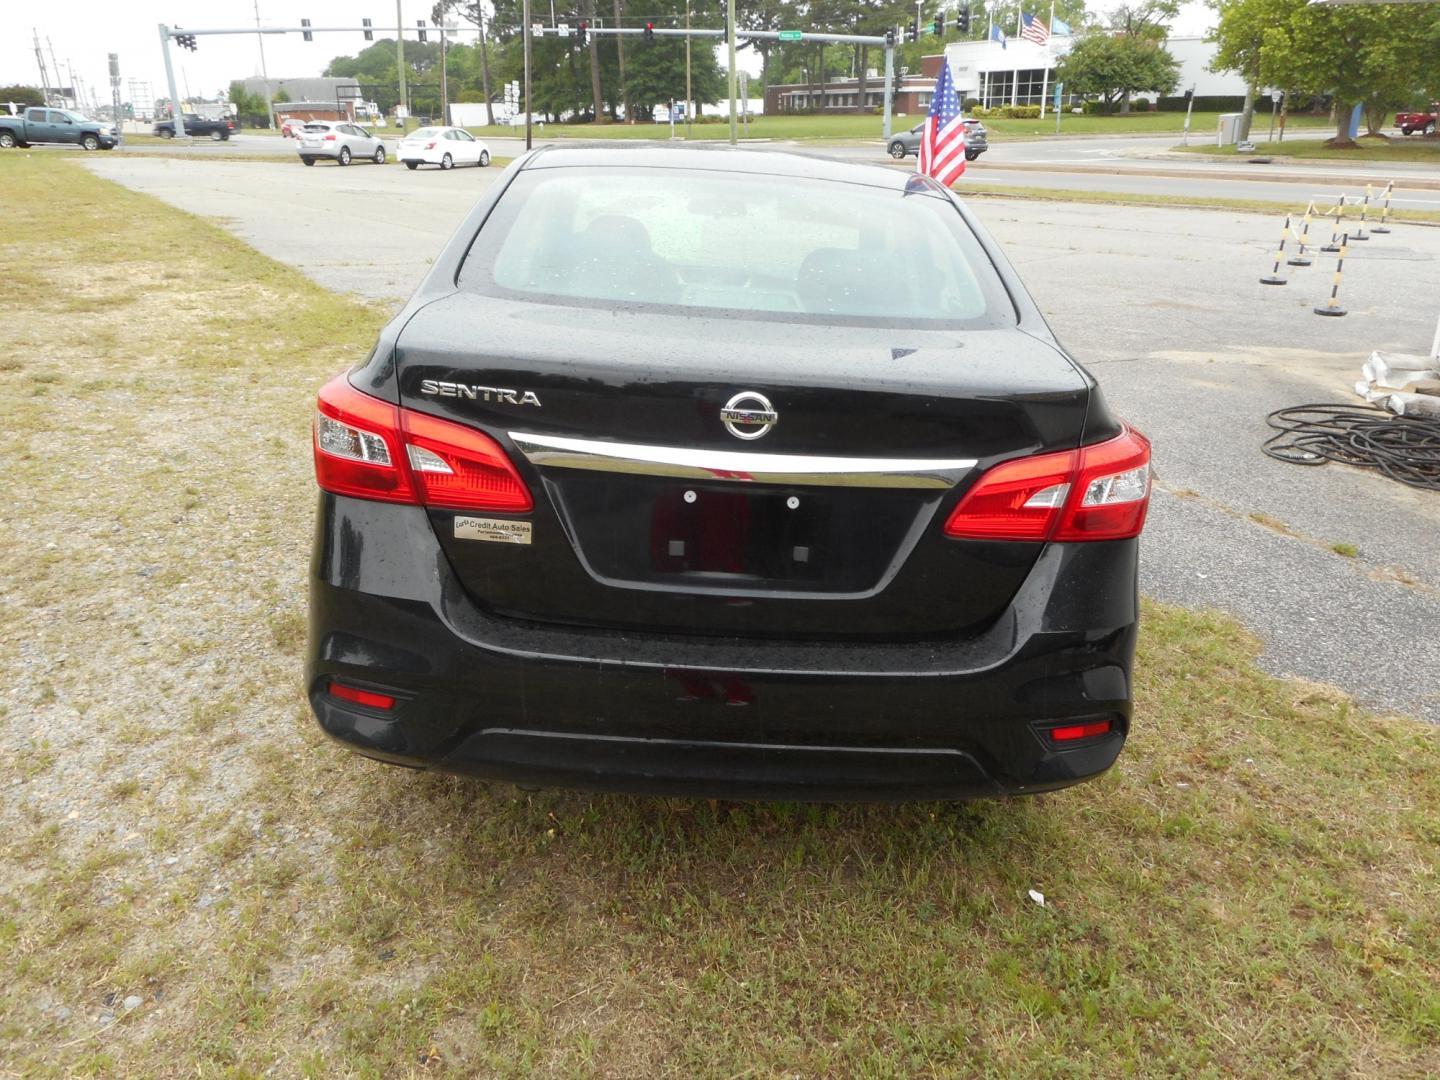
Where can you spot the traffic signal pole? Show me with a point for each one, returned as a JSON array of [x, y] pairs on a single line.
[[175, 110], [730, 36]]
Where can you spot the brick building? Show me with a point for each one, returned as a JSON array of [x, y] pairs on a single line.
[[842, 96]]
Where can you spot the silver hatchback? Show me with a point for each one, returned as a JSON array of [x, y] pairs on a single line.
[[340, 141]]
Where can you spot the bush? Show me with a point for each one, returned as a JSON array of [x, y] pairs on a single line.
[[971, 104], [1007, 112], [1208, 103]]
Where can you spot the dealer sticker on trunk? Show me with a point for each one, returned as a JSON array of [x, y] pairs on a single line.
[[496, 530]]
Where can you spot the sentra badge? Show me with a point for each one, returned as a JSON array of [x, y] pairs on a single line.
[[472, 392]]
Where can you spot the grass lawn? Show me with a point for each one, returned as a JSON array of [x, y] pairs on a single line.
[[196, 883], [869, 127], [1401, 148]]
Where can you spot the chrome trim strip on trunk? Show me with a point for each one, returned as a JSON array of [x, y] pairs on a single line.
[[685, 463]]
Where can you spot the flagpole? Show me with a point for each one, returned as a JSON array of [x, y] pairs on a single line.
[[1045, 78], [1015, 75], [985, 82]]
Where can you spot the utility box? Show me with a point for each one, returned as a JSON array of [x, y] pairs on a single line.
[[1228, 129]]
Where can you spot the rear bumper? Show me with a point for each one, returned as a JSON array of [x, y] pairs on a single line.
[[712, 717]]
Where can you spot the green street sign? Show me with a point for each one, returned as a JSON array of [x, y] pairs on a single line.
[[789, 35]]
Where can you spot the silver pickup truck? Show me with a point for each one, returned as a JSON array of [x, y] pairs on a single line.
[[56, 126]]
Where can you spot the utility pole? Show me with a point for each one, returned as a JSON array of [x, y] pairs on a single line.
[[264, 73], [730, 39], [404, 118], [115, 113], [44, 75], [525, 30], [55, 67]]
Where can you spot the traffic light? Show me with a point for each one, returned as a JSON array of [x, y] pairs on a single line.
[[890, 38], [369, 34], [1189, 95], [915, 29], [306, 33], [421, 32], [649, 33], [186, 41], [962, 20], [582, 33], [940, 24]]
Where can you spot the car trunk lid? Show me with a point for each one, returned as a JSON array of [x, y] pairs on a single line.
[[815, 512]]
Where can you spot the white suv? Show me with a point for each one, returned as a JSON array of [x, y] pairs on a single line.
[[340, 140]]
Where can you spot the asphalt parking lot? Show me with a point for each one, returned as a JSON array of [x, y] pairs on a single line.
[[1163, 304]]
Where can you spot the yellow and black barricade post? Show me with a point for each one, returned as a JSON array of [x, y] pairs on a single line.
[[1385, 210], [1332, 306], [1334, 245], [1361, 234], [1274, 277], [1300, 258]]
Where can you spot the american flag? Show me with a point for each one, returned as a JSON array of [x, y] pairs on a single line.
[[942, 144], [1035, 30]]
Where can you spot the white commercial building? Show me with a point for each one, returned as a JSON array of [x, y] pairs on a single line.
[[1020, 72]]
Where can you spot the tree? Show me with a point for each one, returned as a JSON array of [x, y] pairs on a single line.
[[1117, 66], [249, 108], [22, 95], [1147, 21], [1376, 56], [473, 12]]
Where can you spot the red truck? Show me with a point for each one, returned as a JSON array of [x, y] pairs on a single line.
[[1411, 122]]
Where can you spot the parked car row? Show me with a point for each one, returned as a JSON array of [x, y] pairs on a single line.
[[343, 142]]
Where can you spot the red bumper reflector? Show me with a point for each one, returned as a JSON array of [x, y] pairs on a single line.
[[367, 698], [1072, 732]]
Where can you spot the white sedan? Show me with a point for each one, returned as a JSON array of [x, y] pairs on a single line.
[[443, 146]]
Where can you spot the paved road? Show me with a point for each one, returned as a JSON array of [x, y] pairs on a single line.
[[1163, 305], [1126, 165]]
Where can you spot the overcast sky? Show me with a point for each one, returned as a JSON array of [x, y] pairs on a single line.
[[82, 32]]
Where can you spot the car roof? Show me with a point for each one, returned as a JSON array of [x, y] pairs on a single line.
[[721, 158]]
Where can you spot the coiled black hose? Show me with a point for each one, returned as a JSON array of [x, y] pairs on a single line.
[[1404, 448]]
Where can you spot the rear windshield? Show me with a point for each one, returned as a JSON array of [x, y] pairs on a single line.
[[317, 127], [424, 133], [771, 247]]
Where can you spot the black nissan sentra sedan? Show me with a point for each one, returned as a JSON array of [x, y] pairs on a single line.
[[730, 474]]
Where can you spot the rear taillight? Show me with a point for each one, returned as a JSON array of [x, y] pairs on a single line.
[[1075, 732], [429, 146], [329, 138], [371, 449], [1098, 492], [369, 698]]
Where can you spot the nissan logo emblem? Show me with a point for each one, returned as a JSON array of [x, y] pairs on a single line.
[[749, 415]]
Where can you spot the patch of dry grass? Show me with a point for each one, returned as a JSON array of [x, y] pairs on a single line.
[[1250, 892]]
